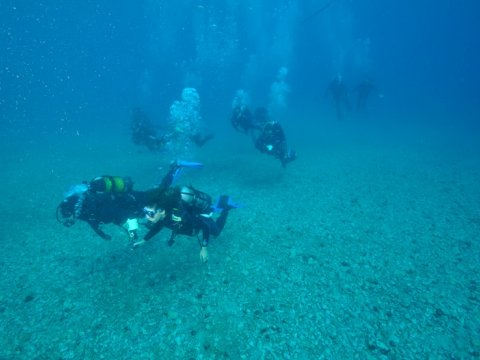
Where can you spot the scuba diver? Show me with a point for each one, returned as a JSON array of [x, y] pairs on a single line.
[[104, 200], [186, 211], [364, 90], [144, 133], [268, 135], [242, 120], [272, 141], [338, 90], [111, 199], [200, 140]]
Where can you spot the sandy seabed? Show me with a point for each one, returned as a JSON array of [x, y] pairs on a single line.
[[365, 247]]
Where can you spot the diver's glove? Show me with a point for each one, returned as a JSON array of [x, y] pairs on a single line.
[[137, 244]]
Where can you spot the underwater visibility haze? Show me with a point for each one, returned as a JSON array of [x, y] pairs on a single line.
[[345, 132]]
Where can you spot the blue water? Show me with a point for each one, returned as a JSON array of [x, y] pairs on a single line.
[[64, 63], [402, 175]]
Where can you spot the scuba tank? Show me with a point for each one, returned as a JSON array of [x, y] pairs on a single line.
[[111, 184], [197, 199]]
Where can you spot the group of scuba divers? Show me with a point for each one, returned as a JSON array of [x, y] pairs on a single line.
[[267, 134], [184, 210]]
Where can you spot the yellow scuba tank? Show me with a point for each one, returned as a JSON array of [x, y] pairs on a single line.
[[111, 184]]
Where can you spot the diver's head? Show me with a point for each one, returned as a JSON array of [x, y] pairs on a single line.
[[154, 205], [158, 202], [69, 209], [154, 213], [66, 210]]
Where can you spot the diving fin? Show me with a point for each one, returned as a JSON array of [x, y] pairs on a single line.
[[177, 166], [188, 164], [224, 202]]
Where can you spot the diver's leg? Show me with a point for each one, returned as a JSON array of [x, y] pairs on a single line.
[[217, 226], [200, 140]]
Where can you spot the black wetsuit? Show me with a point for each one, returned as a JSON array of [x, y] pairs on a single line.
[[106, 208], [364, 90], [243, 121], [144, 133], [200, 140], [339, 92], [110, 199], [272, 141], [188, 219]]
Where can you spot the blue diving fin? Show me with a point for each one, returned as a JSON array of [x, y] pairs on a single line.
[[189, 164], [224, 202], [177, 166]]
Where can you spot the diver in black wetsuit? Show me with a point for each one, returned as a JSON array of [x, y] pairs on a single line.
[[104, 200], [243, 120], [272, 141], [111, 199], [144, 133], [339, 92], [200, 140], [267, 135], [185, 211], [364, 90]]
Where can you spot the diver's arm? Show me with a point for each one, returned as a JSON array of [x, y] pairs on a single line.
[[95, 225], [171, 240], [153, 231], [204, 254], [169, 177], [204, 242], [205, 237], [205, 229]]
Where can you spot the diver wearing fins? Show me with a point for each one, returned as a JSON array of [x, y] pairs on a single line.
[[243, 121], [111, 199], [337, 89], [143, 131], [272, 141], [267, 135], [186, 211]]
